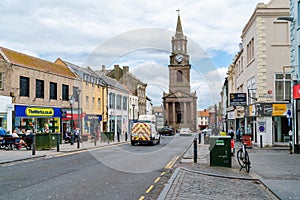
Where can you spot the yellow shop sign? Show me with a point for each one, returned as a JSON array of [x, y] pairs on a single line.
[[279, 109], [39, 112]]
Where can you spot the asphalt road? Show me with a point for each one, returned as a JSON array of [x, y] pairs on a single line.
[[114, 172]]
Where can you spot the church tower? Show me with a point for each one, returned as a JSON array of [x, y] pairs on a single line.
[[179, 104]]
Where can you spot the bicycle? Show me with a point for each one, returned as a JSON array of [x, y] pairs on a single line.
[[243, 157]]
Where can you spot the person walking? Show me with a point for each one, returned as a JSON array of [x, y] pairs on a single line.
[[231, 132]]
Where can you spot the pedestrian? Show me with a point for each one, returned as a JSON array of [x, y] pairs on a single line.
[[231, 133], [238, 134], [76, 134], [46, 128]]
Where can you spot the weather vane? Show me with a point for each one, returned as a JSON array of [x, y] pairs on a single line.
[[178, 11]]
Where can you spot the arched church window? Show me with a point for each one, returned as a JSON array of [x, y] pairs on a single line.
[[179, 76]]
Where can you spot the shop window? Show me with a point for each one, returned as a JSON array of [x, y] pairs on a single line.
[[53, 90], [65, 92], [24, 86], [39, 88]]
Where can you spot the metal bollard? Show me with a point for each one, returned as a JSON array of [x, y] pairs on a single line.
[[195, 150], [33, 144], [57, 142], [118, 137], [261, 143]]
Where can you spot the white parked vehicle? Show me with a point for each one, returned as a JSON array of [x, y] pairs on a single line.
[[185, 132]]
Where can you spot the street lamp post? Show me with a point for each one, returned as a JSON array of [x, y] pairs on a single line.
[[133, 105], [71, 100], [79, 119]]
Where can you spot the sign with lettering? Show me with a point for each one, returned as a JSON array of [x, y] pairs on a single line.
[[32, 111], [279, 109], [296, 91], [238, 99], [39, 111]]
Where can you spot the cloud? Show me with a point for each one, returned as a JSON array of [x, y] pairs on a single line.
[[134, 33]]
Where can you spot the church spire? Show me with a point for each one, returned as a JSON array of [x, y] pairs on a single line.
[[179, 32]]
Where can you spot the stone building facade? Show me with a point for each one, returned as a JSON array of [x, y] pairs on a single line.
[[180, 104], [259, 72], [39, 90]]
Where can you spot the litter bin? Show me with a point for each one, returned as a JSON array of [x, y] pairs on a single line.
[[247, 140], [220, 151], [107, 136]]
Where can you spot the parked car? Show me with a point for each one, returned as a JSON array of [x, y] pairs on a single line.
[[185, 132], [167, 131]]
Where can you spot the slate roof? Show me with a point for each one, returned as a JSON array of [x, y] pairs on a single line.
[[24, 60], [112, 82]]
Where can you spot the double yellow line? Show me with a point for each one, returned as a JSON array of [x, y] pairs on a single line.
[[168, 166], [172, 162]]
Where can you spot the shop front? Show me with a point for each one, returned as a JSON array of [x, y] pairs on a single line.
[[70, 121], [268, 123], [92, 125], [118, 124], [6, 108], [37, 119]]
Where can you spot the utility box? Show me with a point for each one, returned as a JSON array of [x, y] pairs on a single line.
[[45, 141], [220, 151]]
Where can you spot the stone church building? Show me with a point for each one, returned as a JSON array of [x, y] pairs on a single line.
[[180, 104]]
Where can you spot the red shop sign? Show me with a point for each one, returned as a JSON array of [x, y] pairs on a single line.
[[296, 91]]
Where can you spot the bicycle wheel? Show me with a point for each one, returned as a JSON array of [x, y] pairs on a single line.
[[240, 158], [247, 162]]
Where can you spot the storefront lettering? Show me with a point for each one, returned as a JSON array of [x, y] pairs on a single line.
[[39, 112]]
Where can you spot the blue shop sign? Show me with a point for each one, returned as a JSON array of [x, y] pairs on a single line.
[[37, 111], [89, 117]]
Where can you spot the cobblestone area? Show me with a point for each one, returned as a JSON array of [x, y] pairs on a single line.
[[193, 185], [202, 181]]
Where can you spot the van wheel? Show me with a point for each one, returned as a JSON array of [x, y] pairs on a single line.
[[151, 143], [132, 143]]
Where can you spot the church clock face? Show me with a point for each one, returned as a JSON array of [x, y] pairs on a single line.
[[179, 58]]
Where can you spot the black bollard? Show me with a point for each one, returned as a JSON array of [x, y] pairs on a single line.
[[199, 135], [261, 143], [195, 150], [33, 144], [57, 142], [118, 135]]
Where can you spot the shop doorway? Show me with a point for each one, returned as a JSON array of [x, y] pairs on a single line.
[[281, 128]]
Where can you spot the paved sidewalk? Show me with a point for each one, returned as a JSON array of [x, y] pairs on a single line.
[[7, 156], [274, 174]]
